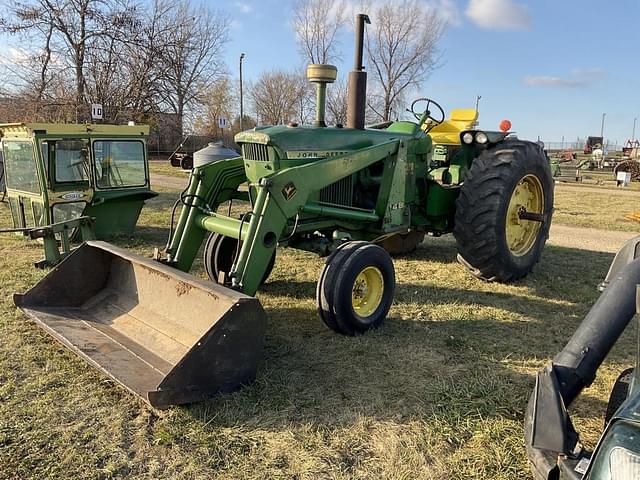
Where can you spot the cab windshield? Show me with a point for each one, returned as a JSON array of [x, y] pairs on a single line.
[[119, 163]]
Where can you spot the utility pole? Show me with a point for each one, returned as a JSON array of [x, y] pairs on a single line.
[[633, 135], [602, 127], [241, 105]]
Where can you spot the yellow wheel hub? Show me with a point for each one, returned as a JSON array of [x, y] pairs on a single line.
[[527, 197], [366, 294]]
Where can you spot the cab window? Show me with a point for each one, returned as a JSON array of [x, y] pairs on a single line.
[[71, 161], [119, 163], [20, 166]]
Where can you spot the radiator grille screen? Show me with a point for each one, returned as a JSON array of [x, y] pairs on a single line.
[[339, 193], [255, 151]]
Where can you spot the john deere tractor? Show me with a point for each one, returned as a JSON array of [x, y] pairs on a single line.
[[349, 194]]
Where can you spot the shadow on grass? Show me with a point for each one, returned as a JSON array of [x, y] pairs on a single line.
[[413, 369]]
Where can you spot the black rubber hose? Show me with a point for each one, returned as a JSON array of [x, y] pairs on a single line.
[[576, 365]]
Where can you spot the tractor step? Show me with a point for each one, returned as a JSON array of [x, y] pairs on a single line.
[[165, 335]]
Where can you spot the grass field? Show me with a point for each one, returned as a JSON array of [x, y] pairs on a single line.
[[438, 392]]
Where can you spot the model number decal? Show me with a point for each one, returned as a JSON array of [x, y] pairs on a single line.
[[73, 196]]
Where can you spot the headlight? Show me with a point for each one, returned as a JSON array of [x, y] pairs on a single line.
[[467, 138], [481, 138], [618, 455], [624, 464]]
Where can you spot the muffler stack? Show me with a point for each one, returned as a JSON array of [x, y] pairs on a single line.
[[163, 334]]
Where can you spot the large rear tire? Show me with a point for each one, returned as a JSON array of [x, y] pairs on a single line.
[[503, 213], [402, 243]]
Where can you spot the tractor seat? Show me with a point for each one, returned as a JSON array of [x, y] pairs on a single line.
[[449, 130]]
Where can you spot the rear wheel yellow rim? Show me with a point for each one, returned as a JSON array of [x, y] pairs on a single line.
[[527, 197], [367, 291]]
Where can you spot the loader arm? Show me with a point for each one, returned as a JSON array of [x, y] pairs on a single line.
[[552, 443], [279, 197]]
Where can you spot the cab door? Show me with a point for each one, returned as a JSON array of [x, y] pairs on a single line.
[[69, 172], [23, 181]]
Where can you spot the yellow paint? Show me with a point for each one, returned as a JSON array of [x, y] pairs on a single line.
[[521, 234], [448, 132], [367, 291]]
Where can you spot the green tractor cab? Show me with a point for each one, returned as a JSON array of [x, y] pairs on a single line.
[[56, 173]]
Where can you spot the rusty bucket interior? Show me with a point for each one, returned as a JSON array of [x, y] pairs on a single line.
[[163, 334]]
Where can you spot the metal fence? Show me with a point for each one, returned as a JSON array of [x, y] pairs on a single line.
[[578, 145]]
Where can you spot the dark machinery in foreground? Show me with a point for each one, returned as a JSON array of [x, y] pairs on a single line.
[[553, 445], [349, 194]]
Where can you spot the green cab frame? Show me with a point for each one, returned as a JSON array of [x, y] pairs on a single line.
[[60, 172]]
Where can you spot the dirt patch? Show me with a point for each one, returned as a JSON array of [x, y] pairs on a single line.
[[169, 182], [592, 239]]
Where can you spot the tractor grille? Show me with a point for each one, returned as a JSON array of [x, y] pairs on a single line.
[[339, 193], [255, 151]]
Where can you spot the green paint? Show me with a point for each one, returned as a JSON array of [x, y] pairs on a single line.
[[99, 171], [312, 186]]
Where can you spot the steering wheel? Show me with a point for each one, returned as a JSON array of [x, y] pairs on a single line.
[[425, 115]]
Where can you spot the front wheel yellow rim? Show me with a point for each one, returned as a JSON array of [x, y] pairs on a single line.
[[367, 291], [527, 197]]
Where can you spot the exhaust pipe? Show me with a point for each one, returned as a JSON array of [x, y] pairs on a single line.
[[549, 431], [358, 79]]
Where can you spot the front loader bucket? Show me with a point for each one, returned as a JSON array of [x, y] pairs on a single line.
[[163, 334]]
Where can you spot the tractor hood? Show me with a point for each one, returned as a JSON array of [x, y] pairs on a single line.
[[315, 142]]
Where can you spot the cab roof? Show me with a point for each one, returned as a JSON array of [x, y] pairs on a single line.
[[22, 130]]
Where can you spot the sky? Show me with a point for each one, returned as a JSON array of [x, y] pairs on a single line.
[[552, 67]]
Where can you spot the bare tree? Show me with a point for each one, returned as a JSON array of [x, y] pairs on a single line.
[[218, 101], [317, 24], [67, 28], [192, 58], [276, 97], [337, 94], [402, 48]]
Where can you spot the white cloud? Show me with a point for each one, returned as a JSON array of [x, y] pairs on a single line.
[[448, 9], [588, 72], [235, 24], [243, 7], [499, 14], [552, 81]]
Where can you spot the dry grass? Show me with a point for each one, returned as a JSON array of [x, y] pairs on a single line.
[[596, 207], [438, 392]]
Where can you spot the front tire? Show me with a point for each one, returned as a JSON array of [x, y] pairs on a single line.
[[220, 252], [503, 213], [619, 394], [356, 288]]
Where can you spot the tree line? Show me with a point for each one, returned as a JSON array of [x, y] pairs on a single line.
[[141, 58]]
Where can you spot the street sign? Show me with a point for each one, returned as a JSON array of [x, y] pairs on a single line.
[[222, 122], [96, 111]]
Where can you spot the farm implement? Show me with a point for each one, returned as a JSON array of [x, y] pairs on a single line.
[[352, 195]]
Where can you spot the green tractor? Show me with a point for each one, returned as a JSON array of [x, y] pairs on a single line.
[[350, 194]]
